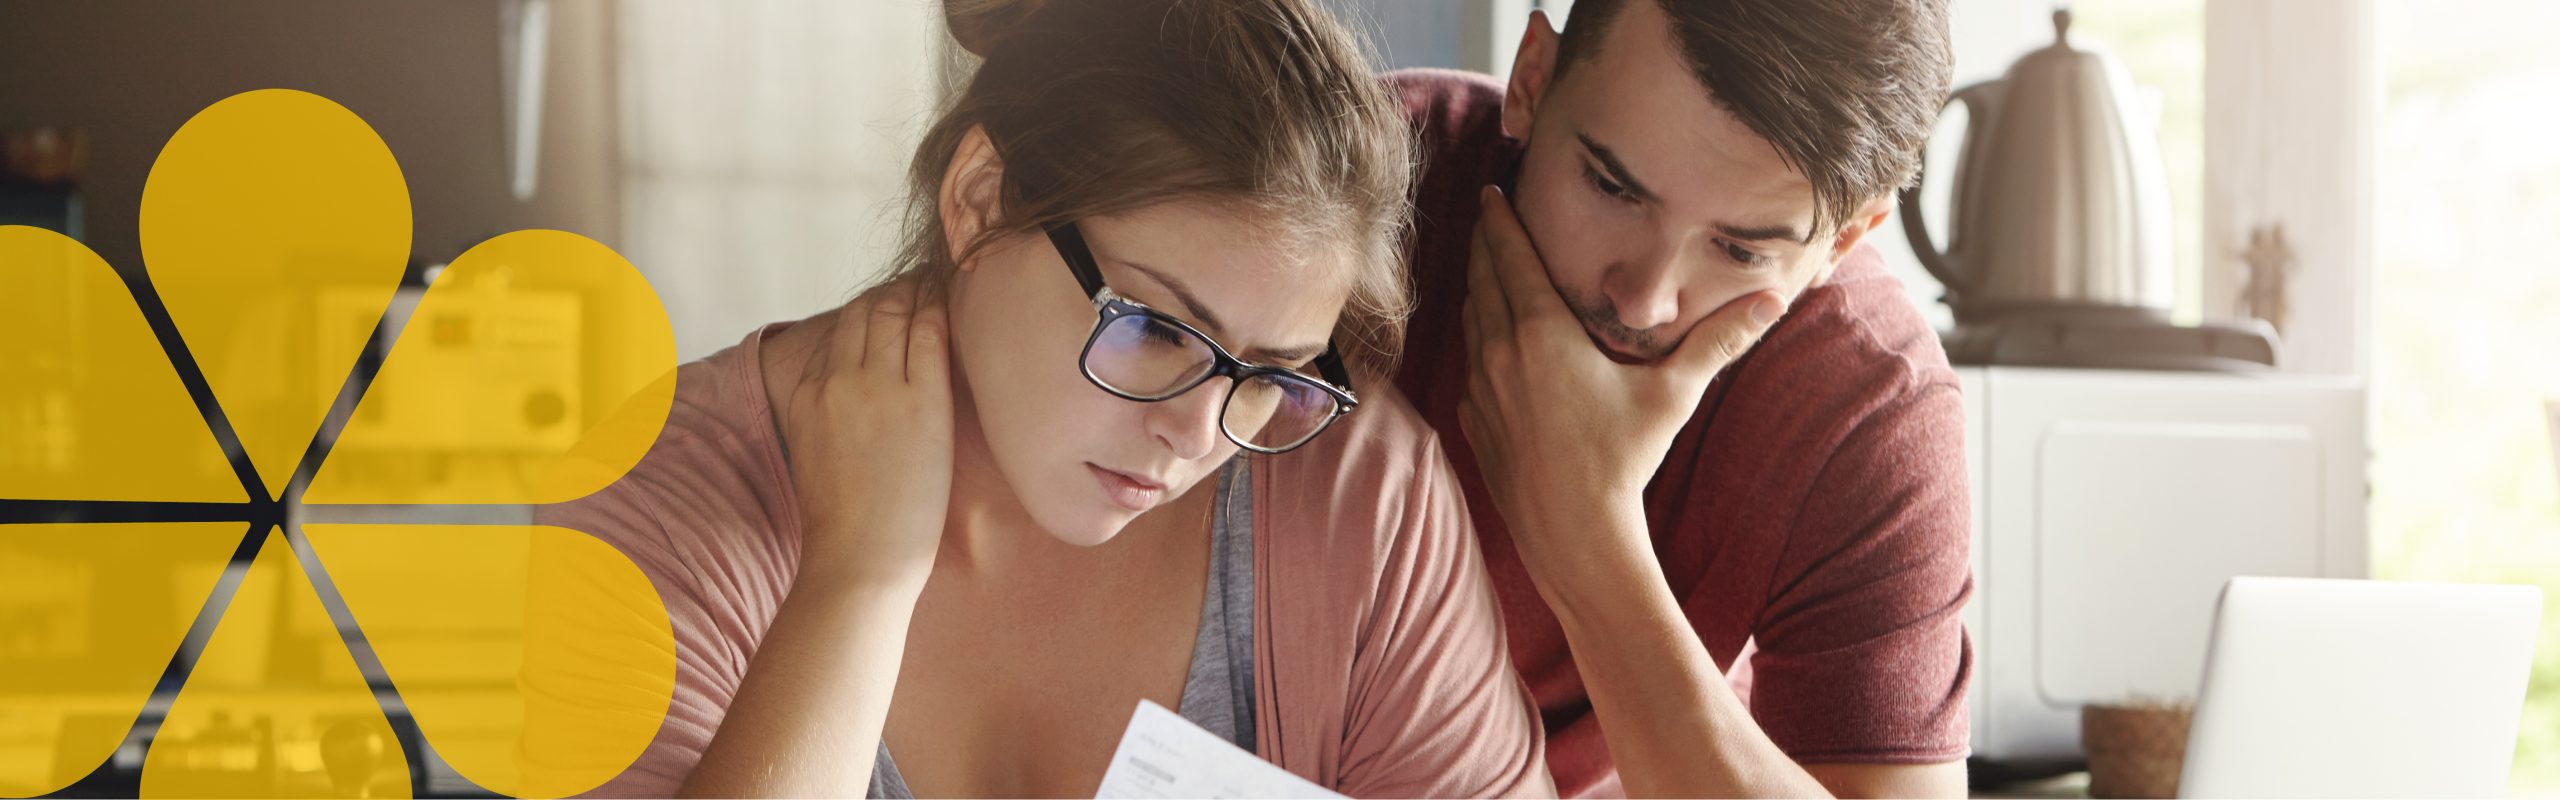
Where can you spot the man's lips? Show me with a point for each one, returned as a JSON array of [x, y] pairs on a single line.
[[1622, 358], [1615, 351]]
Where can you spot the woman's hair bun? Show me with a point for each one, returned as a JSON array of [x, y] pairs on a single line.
[[979, 24]]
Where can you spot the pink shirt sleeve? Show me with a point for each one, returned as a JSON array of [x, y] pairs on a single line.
[[698, 516], [1373, 574]]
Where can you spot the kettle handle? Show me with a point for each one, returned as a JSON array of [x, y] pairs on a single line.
[[1981, 102]]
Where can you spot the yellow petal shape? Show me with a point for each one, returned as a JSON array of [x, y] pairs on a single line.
[[93, 613], [89, 405], [275, 226], [537, 369], [538, 660], [275, 706]]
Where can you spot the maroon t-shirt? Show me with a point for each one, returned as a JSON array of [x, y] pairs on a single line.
[[1813, 513]]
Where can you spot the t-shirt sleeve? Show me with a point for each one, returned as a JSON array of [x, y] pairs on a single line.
[[1862, 653], [709, 656], [1436, 709]]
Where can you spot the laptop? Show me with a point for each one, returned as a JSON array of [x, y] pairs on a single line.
[[2343, 688]]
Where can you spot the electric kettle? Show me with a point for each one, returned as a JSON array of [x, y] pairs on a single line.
[[2059, 202]]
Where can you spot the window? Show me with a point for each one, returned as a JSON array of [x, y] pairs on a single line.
[[2467, 279]]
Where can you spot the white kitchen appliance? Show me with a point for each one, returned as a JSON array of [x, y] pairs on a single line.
[[2060, 202], [2058, 251], [2109, 509]]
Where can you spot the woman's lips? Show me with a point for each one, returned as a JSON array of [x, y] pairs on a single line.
[[1129, 491]]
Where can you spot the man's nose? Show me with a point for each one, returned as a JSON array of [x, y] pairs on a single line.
[[1646, 290]]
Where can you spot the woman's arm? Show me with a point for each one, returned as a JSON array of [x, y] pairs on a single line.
[[1437, 709], [808, 715], [868, 435]]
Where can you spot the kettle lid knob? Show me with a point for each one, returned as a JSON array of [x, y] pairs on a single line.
[[2062, 24]]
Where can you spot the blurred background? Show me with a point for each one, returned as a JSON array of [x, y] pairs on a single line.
[[2381, 169]]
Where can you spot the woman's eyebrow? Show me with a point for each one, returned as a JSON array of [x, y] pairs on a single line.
[[1200, 312], [1286, 355], [1182, 292]]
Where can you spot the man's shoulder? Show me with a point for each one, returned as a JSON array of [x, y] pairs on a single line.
[[1844, 425], [1457, 127], [1453, 92], [1456, 118], [1857, 336], [1854, 371]]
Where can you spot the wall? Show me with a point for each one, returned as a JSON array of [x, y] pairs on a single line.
[[1410, 33], [765, 148], [425, 73]]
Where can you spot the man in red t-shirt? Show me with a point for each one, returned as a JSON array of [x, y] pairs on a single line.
[[1716, 457]]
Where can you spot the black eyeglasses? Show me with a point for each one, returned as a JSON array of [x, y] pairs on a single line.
[[1142, 354]]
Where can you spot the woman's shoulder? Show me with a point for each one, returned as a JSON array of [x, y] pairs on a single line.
[[1370, 500], [1389, 672], [713, 480], [1360, 477]]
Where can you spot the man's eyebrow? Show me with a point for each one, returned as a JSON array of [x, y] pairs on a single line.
[[1200, 312], [1741, 233], [1617, 169], [1763, 233]]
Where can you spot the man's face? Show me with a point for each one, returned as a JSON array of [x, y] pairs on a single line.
[[1651, 204]]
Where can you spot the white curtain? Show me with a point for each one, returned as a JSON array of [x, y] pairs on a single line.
[[764, 147]]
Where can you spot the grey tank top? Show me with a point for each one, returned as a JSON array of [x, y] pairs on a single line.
[[1217, 694]]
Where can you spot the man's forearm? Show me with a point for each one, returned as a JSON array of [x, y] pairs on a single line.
[[1673, 725]]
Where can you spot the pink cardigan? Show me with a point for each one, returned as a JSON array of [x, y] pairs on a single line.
[[1380, 666]]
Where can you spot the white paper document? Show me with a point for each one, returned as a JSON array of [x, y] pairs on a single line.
[[1164, 755]]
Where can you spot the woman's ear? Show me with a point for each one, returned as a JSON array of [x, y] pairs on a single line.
[[971, 187]]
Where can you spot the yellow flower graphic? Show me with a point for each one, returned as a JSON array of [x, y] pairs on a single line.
[[169, 435]]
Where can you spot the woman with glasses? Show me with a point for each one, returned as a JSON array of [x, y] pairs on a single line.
[[1114, 430]]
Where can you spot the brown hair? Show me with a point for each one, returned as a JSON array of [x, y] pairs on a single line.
[[1845, 90], [1102, 106]]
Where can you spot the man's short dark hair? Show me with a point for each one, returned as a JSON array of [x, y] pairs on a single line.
[[1846, 90]]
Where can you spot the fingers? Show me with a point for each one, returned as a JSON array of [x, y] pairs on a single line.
[[1484, 291], [1722, 337], [1516, 265], [1484, 314], [928, 358], [886, 338], [842, 352], [1467, 426]]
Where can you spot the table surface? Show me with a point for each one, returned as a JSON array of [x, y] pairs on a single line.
[[2067, 785]]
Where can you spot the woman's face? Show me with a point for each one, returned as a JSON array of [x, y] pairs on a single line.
[[1081, 461]]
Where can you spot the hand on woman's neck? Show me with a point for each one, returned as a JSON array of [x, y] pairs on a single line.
[[987, 533]]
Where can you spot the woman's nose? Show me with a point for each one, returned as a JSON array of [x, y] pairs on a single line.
[[1189, 423]]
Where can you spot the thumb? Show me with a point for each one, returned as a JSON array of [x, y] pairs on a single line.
[[1720, 339]]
